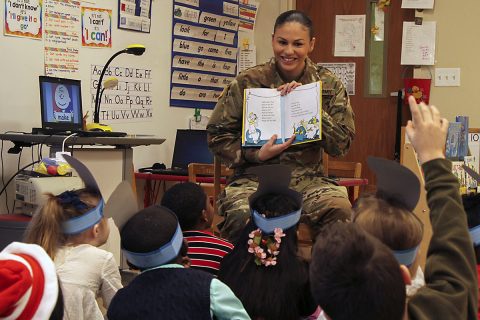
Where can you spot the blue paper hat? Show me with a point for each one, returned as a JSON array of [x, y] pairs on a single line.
[[274, 179], [121, 205], [406, 257], [398, 184], [167, 252]]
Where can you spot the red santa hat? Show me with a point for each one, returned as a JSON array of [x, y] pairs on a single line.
[[28, 282]]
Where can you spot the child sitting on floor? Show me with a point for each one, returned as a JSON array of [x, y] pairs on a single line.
[[29, 286], [152, 242], [71, 227], [263, 269], [355, 276], [388, 216], [194, 211]]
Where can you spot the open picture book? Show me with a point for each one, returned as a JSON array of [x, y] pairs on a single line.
[[266, 113]]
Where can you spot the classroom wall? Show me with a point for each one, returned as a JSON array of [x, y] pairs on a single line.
[[21, 62], [457, 46]]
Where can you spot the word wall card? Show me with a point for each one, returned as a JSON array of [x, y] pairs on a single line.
[[204, 51]]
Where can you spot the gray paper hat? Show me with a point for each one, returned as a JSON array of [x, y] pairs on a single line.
[[122, 203], [395, 183], [274, 179]]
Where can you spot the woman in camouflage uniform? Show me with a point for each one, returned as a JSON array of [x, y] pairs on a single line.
[[290, 67]]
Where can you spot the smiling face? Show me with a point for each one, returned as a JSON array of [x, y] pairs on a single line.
[[62, 97], [291, 44]]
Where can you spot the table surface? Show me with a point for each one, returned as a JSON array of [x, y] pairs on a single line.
[[127, 141]]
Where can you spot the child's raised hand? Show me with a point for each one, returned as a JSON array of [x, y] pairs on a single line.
[[427, 131]]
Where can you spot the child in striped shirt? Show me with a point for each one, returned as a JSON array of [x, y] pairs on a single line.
[[195, 214]]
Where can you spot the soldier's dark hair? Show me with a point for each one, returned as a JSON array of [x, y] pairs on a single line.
[[348, 264], [187, 200], [294, 16]]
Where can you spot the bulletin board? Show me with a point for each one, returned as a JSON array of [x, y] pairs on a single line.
[[204, 51]]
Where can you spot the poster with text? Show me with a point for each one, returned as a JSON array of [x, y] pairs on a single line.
[[135, 15], [204, 51], [62, 38], [96, 27], [130, 101], [23, 18]]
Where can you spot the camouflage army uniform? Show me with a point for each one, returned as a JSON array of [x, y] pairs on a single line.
[[324, 201]]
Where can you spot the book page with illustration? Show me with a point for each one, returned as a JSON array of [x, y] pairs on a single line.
[[262, 116], [303, 113], [266, 113]]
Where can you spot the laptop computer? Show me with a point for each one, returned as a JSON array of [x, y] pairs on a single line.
[[61, 108], [190, 147]]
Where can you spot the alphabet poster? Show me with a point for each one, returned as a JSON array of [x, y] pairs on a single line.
[[130, 101], [23, 18], [96, 27], [204, 51]]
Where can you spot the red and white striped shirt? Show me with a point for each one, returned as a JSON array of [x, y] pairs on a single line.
[[205, 250]]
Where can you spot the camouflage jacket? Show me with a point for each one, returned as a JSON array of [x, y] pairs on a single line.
[[225, 125]]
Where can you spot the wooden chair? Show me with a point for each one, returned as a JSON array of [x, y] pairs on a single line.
[[217, 171], [346, 169]]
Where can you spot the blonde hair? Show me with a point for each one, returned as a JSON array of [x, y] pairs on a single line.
[[45, 229], [396, 227]]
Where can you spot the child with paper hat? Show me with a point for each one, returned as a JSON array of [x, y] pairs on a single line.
[[70, 227], [194, 211], [264, 270], [388, 215], [28, 284], [152, 242], [355, 276]]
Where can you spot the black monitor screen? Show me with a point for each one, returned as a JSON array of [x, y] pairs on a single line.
[[191, 147]]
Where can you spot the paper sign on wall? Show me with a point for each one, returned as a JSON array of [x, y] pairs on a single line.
[[349, 36], [417, 4], [62, 38], [418, 43], [23, 18], [130, 101], [96, 27]]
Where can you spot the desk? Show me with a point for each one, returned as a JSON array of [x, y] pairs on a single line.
[[110, 162], [349, 183], [148, 199]]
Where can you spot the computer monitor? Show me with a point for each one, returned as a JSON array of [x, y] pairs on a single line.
[[61, 104], [190, 146]]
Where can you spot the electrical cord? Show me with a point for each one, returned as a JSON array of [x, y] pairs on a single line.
[[10, 180], [66, 138]]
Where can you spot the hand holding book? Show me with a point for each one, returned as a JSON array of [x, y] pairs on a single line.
[[271, 149]]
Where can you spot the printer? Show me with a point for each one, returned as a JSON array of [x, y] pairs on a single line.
[[30, 192]]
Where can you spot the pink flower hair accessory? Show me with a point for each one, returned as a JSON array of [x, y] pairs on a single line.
[[265, 248]]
